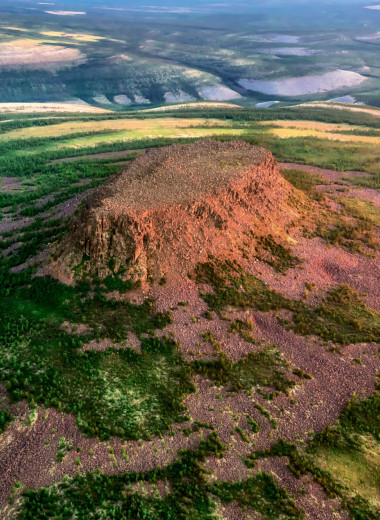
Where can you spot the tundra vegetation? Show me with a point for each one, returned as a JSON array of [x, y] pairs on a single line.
[[140, 392]]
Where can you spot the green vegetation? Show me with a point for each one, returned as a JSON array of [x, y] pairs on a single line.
[[306, 182], [227, 279], [52, 185], [274, 254], [266, 414], [109, 318], [244, 437], [191, 496], [263, 368], [301, 463], [5, 419], [115, 283], [243, 327], [343, 458], [354, 228], [16, 487], [358, 472], [361, 209], [360, 417], [115, 392], [253, 424], [341, 233], [341, 317], [64, 447]]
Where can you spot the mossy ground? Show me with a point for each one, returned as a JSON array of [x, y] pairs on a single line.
[[353, 228], [117, 392], [191, 495], [306, 182], [343, 458], [341, 317], [264, 368], [357, 470], [5, 419], [275, 254]]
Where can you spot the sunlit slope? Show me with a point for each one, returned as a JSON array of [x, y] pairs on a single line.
[[131, 127]]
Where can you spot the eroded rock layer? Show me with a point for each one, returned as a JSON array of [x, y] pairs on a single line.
[[174, 206]]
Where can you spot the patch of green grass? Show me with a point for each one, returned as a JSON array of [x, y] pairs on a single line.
[[5, 419], [275, 254], [343, 458], [244, 328], [341, 317], [361, 209], [115, 392], [306, 182], [266, 414], [367, 181], [240, 325], [262, 368], [191, 496], [253, 424], [233, 287], [359, 236], [302, 374], [357, 470], [244, 437], [113, 318], [64, 447], [115, 283]]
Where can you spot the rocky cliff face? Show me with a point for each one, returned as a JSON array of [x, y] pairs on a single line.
[[174, 206]]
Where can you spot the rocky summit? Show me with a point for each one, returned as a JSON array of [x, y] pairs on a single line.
[[171, 208]]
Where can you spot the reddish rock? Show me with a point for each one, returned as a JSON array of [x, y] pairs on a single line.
[[174, 206]]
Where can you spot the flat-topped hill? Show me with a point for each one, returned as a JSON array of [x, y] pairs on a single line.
[[177, 174], [172, 207]]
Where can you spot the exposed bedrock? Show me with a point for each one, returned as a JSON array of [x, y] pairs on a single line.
[[174, 206]]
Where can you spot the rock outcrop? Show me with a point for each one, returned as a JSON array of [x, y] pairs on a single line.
[[171, 208]]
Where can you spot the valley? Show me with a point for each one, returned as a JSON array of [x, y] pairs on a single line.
[[144, 56]]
